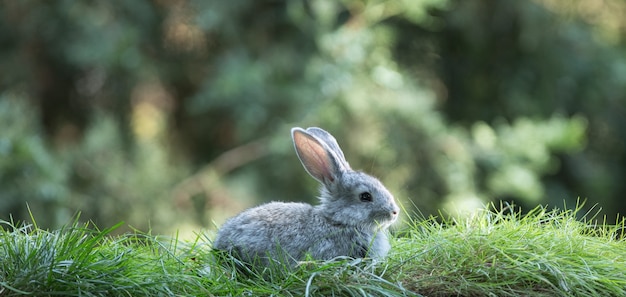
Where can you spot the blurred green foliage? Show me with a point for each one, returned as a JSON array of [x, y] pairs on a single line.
[[168, 114], [27, 168]]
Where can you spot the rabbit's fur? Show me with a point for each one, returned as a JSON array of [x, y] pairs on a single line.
[[347, 222]]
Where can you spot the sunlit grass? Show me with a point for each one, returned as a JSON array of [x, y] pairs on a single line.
[[83, 261], [494, 253], [504, 253]]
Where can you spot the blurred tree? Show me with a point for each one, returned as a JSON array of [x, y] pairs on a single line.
[[510, 59], [144, 105], [28, 169]]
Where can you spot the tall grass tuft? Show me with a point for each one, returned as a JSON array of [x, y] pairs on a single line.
[[81, 260], [504, 253]]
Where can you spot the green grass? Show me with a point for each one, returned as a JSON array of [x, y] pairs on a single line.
[[504, 253], [494, 253]]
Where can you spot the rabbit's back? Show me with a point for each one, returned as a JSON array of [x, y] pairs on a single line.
[[286, 232], [267, 230]]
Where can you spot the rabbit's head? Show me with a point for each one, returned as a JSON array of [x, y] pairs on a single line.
[[348, 197]]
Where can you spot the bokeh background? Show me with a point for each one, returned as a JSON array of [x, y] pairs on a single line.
[[173, 115]]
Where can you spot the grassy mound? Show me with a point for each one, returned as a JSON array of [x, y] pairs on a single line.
[[494, 253]]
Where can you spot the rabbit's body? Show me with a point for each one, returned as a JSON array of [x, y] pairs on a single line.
[[351, 220], [285, 232]]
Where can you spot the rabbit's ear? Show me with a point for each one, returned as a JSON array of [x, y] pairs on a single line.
[[331, 142], [319, 160]]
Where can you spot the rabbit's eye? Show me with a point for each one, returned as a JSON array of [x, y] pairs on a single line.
[[365, 197]]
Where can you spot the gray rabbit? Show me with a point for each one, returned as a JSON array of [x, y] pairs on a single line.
[[351, 220]]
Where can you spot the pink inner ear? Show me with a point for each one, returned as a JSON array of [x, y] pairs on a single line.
[[314, 157]]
